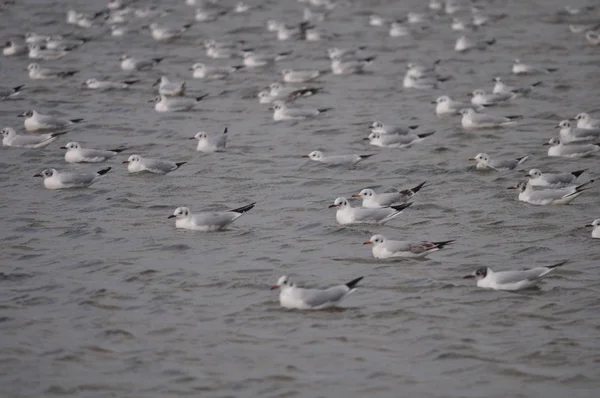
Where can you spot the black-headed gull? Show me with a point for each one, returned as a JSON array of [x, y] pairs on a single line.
[[372, 200], [575, 150], [137, 164], [510, 280], [96, 84], [291, 296], [474, 120], [595, 225], [207, 221], [76, 154], [347, 214], [552, 180], [384, 248], [569, 134], [210, 143], [485, 162], [549, 196], [36, 72], [170, 88], [335, 160], [35, 121], [129, 63], [11, 138], [585, 121], [520, 68], [57, 180]]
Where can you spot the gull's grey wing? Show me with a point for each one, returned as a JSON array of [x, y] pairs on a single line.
[[483, 118], [392, 139], [585, 133], [396, 246], [505, 277], [95, 153], [77, 178], [550, 194], [163, 166], [215, 218], [388, 199], [503, 164], [296, 112], [220, 140], [51, 120], [317, 297], [571, 149], [562, 178], [23, 140], [364, 214]]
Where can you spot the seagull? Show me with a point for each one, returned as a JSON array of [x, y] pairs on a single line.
[[372, 200], [447, 106], [345, 66], [418, 71], [13, 48], [209, 144], [335, 160], [593, 37], [96, 84], [519, 68], [76, 154], [485, 163], [6, 93], [252, 60], [384, 248], [165, 33], [464, 44], [294, 297], [569, 134], [36, 72], [36, 52], [552, 180], [383, 128], [510, 280], [283, 112], [299, 76], [560, 149], [549, 196], [10, 138], [170, 88], [35, 121], [136, 164], [128, 63], [203, 71], [585, 121], [55, 180], [481, 98], [474, 120], [501, 87], [595, 228], [207, 221], [175, 104], [395, 140], [347, 214]]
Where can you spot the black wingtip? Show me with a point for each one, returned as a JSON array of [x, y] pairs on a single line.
[[401, 207], [440, 245], [490, 42], [511, 117], [354, 282], [536, 84], [366, 156], [180, 164], [225, 131], [369, 59], [418, 187], [552, 69], [57, 134], [118, 150], [200, 98], [558, 264], [413, 127], [426, 134], [104, 171], [244, 209], [18, 88], [130, 82], [157, 60], [322, 110], [578, 172], [76, 120]]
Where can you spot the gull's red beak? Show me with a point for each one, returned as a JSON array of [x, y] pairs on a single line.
[[274, 287], [356, 195], [469, 277], [368, 243]]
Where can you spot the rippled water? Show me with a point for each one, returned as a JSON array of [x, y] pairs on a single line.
[[102, 296]]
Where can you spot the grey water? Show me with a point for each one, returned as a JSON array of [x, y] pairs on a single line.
[[102, 296]]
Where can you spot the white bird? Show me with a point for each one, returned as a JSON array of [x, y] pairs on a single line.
[[203, 71], [464, 44], [34, 38], [481, 98], [299, 76], [372, 200], [207, 221], [510, 280], [205, 14], [351, 53], [519, 68], [345, 66], [36, 52], [137, 164], [423, 83], [552, 180], [59, 42], [585, 121], [281, 111], [253, 60], [419, 71], [475, 120], [384, 248], [501, 87], [170, 88], [175, 104], [560, 149], [398, 29], [593, 37], [484, 162], [376, 20], [568, 133], [36, 72], [347, 214], [595, 228], [548, 196], [285, 94], [209, 144], [35, 121], [55, 180], [294, 297], [76, 154], [335, 160], [11, 138], [384, 128], [96, 84], [11, 47], [6, 93], [447, 106], [128, 63], [165, 33], [396, 140]]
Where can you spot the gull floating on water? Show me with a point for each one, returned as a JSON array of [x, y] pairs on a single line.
[[464, 44], [549, 196], [347, 214], [447, 106], [76, 154], [384, 128], [11, 138], [207, 221], [510, 280], [485, 163], [294, 297], [520, 68], [552, 180], [170, 88], [96, 84], [335, 160], [585, 121], [475, 120], [396, 140], [595, 228], [56, 180], [501, 87], [129, 63], [35, 121], [6, 93], [372, 200], [384, 248], [209, 144], [165, 33], [575, 150], [175, 104], [569, 134], [281, 111], [137, 164], [481, 98], [36, 72], [203, 71]]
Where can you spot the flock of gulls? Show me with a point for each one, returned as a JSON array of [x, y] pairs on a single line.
[[577, 137]]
